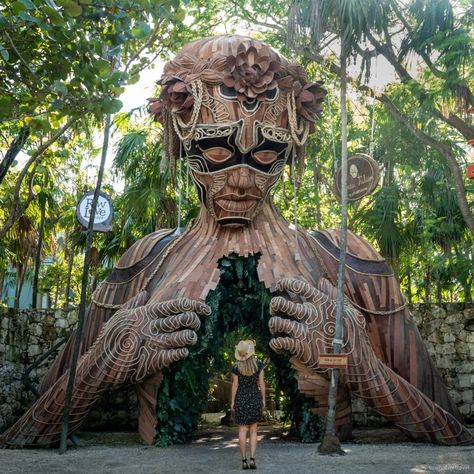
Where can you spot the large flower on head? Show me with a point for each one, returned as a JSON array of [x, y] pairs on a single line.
[[176, 96], [309, 100], [250, 74], [155, 107]]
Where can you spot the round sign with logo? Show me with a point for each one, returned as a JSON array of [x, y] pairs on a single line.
[[362, 178], [104, 212]]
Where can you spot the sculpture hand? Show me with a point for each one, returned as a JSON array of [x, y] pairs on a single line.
[[311, 329], [141, 341]]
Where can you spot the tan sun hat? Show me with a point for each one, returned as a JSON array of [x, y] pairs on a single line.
[[244, 350]]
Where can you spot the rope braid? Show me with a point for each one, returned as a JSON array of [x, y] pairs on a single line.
[[297, 131]]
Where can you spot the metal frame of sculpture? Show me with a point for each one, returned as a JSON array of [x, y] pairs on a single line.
[[238, 112]]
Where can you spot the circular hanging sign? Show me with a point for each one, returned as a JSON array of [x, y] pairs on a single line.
[[362, 177], [104, 212]]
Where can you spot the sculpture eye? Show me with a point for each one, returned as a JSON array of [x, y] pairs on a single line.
[[271, 94], [265, 157], [217, 154], [227, 92]]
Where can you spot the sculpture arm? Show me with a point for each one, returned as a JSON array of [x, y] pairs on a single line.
[[373, 289], [125, 282]]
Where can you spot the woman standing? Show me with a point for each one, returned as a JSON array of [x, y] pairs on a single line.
[[248, 397]]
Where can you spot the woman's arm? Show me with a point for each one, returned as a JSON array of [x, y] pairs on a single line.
[[261, 384], [235, 384]]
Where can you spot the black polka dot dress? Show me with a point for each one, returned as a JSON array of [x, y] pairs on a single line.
[[248, 399]]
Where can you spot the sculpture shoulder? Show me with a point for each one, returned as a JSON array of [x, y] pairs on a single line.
[[370, 281], [144, 248], [361, 256], [134, 268]]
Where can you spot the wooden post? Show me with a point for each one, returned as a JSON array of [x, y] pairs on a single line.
[[85, 279], [330, 443]]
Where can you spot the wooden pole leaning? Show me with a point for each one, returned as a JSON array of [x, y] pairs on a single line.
[[84, 283], [330, 443]]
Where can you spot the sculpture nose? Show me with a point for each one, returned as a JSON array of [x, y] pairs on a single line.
[[241, 178]]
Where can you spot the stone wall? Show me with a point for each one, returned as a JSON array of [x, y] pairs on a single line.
[[24, 337], [447, 330]]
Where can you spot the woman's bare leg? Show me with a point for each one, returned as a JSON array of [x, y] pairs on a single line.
[[243, 430], [253, 439]]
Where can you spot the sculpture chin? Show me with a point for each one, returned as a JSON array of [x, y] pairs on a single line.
[[234, 222]]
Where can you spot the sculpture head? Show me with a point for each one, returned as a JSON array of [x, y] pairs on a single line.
[[238, 112]]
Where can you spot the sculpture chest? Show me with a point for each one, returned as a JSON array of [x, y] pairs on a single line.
[[191, 266]]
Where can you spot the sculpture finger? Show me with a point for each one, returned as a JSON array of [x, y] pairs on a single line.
[[286, 344], [169, 356], [176, 306], [171, 323], [186, 337], [292, 328], [280, 305], [301, 288], [326, 287]]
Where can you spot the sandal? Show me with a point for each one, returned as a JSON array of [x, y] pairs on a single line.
[[245, 464], [252, 463]]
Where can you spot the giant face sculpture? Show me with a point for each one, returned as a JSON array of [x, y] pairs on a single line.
[[238, 112]]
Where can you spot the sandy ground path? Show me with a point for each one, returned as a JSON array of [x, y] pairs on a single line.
[[215, 450]]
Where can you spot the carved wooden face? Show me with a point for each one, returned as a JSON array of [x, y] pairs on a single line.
[[237, 109], [235, 161]]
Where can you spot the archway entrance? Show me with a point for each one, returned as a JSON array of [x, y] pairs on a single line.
[[240, 309]]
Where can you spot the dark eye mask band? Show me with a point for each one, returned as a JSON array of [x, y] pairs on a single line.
[[218, 140], [202, 149]]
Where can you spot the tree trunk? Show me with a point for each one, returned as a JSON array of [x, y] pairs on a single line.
[[428, 285], [330, 443], [439, 292], [69, 254], [409, 292], [20, 279], [38, 253], [467, 291], [316, 184], [2, 279], [84, 283], [13, 151], [56, 292]]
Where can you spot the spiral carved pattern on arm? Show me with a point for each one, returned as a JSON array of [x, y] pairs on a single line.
[[135, 343], [311, 332]]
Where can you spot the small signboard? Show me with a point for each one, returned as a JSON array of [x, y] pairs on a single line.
[[362, 178], [104, 212], [333, 361]]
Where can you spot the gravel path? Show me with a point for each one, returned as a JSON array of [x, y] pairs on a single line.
[[216, 451]]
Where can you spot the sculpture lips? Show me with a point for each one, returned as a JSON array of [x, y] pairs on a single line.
[[232, 205], [238, 197]]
